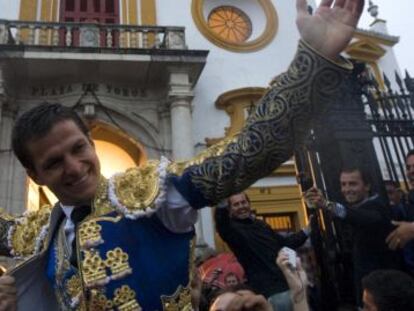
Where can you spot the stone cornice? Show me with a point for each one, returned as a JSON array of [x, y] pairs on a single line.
[[380, 37]]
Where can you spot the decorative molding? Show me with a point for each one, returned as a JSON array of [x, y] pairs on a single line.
[[179, 87], [235, 102], [365, 50], [368, 50], [181, 101], [89, 36], [175, 40], [376, 37], [265, 38]]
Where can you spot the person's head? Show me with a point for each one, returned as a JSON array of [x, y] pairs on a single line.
[[231, 279], [355, 185], [235, 296], [393, 191], [53, 144], [409, 167], [239, 206], [388, 290]]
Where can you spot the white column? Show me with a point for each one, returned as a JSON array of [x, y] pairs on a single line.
[[2, 96], [180, 97], [13, 179], [164, 115]]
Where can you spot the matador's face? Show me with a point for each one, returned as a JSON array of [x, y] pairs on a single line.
[[65, 161]]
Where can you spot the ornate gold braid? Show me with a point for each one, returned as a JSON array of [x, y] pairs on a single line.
[[280, 122], [28, 232]]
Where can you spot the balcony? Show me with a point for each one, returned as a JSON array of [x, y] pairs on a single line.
[[92, 52], [110, 36]]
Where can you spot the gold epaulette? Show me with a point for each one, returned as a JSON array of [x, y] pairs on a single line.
[[136, 191], [215, 150], [4, 215], [28, 233]]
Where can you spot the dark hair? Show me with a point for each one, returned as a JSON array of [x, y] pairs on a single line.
[[366, 178], [36, 123], [231, 274], [245, 195], [389, 182], [409, 154], [390, 289]]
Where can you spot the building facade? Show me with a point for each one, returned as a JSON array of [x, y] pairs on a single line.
[[156, 78]]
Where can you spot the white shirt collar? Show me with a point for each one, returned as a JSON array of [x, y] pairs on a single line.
[[67, 209]]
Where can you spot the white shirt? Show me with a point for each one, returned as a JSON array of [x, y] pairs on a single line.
[[176, 215]]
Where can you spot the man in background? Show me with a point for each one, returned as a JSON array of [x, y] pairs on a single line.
[[370, 221], [386, 290], [256, 246]]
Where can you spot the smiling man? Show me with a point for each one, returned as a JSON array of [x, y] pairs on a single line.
[[256, 246], [125, 243], [370, 221]]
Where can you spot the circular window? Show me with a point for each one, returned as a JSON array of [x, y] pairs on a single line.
[[230, 24], [231, 28]]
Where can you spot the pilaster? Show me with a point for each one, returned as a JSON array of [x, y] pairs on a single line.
[[180, 96], [13, 177]]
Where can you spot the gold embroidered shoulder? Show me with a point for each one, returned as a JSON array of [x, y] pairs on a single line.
[[139, 191], [26, 234]]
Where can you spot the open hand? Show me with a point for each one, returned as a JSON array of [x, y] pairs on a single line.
[[332, 25], [314, 198], [401, 235], [242, 300], [296, 278]]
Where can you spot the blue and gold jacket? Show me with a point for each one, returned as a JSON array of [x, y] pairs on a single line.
[[127, 259]]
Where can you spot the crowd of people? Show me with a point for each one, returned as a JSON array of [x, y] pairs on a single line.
[[382, 248], [126, 243]]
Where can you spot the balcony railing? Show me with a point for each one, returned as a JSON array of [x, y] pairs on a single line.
[[112, 36]]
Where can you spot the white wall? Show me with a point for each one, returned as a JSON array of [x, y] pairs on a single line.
[[227, 70], [9, 9]]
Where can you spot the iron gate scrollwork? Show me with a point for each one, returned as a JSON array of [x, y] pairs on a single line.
[[390, 114], [369, 126]]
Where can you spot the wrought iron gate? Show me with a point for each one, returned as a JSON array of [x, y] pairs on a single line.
[[391, 116], [369, 126]]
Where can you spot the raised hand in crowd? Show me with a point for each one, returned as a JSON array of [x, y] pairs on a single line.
[[296, 279], [314, 198], [241, 300], [8, 301], [400, 235], [330, 28]]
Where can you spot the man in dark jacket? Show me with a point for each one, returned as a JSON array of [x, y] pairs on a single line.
[[256, 246], [403, 235], [370, 221]]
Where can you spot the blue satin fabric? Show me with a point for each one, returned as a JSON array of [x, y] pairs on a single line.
[[160, 259]]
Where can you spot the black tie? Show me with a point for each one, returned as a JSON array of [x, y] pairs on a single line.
[[78, 214]]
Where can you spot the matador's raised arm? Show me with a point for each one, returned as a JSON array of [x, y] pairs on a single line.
[[280, 122]]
